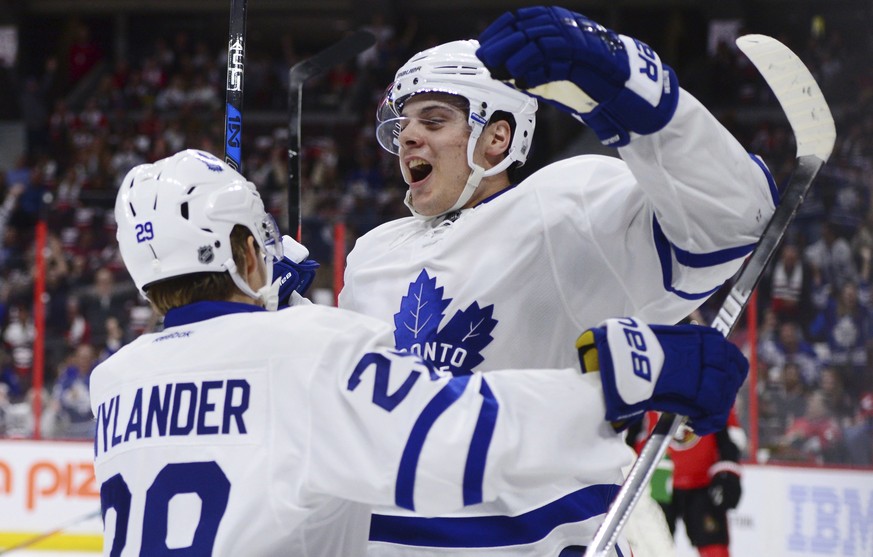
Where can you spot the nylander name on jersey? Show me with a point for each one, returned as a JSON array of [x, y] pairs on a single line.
[[457, 346], [180, 409]]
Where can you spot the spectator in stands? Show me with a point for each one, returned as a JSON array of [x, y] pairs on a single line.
[[816, 437], [73, 396], [10, 203], [788, 286], [115, 338], [863, 252], [791, 347], [78, 330], [104, 301], [836, 396], [832, 254], [847, 327], [783, 399], [859, 435], [84, 53], [18, 337], [35, 101], [10, 382]]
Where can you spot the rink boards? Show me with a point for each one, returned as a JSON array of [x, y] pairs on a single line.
[[785, 511]]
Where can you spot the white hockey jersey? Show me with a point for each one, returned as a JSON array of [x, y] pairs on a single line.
[[513, 281], [240, 432]]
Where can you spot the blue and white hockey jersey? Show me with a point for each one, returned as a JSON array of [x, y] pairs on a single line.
[[513, 281], [237, 431]]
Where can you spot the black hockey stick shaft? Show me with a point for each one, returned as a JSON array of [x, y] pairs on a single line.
[[333, 55], [236, 57]]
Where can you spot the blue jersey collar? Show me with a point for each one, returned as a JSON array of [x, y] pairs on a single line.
[[454, 215], [495, 195], [201, 311]]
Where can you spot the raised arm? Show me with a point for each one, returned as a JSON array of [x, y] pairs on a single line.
[[693, 199]]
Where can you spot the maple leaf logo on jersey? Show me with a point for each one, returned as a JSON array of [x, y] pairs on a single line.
[[456, 347]]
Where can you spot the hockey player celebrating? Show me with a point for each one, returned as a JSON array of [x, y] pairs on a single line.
[[241, 431], [489, 273]]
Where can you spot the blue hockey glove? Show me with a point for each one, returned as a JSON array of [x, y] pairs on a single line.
[[613, 83], [684, 369], [295, 270]]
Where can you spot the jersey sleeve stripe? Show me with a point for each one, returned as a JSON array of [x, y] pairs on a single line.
[[474, 471], [701, 260], [405, 487], [494, 531], [665, 255], [774, 191]]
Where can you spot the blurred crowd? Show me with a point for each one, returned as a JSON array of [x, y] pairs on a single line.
[[814, 349], [815, 336]]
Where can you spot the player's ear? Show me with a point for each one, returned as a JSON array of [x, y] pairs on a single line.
[[499, 135]]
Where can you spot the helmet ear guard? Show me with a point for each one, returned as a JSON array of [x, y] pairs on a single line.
[[453, 68], [175, 218]]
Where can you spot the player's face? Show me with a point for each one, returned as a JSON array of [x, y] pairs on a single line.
[[433, 153]]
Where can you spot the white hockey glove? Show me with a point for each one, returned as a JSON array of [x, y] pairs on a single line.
[[613, 83], [295, 271], [688, 370]]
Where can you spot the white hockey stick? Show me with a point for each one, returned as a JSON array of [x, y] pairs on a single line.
[[814, 132]]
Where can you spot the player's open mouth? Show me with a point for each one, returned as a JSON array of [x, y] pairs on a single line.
[[419, 170]]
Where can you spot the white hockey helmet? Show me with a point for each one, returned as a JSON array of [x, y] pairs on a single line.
[[453, 68], [175, 218]]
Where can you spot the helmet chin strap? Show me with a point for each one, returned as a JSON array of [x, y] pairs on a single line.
[[468, 191], [473, 180], [267, 294]]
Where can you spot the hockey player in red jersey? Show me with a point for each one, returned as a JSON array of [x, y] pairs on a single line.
[[705, 482]]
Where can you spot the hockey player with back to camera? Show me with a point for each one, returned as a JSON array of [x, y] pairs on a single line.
[[243, 431], [489, 274]]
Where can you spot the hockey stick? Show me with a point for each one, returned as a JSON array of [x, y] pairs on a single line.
[[814, 132], [333, 55], [236, 59], [45, 535]]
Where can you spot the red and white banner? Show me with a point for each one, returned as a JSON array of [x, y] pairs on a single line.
[[46, 485]]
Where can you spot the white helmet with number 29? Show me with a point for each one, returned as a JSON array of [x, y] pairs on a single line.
[[175, 218], [453, 68]]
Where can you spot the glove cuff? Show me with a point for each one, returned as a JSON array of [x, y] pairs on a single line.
[[629, 357], [725, 466]]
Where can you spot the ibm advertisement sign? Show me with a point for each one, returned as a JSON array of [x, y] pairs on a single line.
[[800, 512], [784, 511]]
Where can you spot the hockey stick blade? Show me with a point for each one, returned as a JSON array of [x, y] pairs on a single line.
[[813, 127], [797, 93], [814, 133], [333, 55]]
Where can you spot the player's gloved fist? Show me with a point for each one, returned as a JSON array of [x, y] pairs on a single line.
[[724, 486], [613, 83], [688, 370], [295, 271]]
